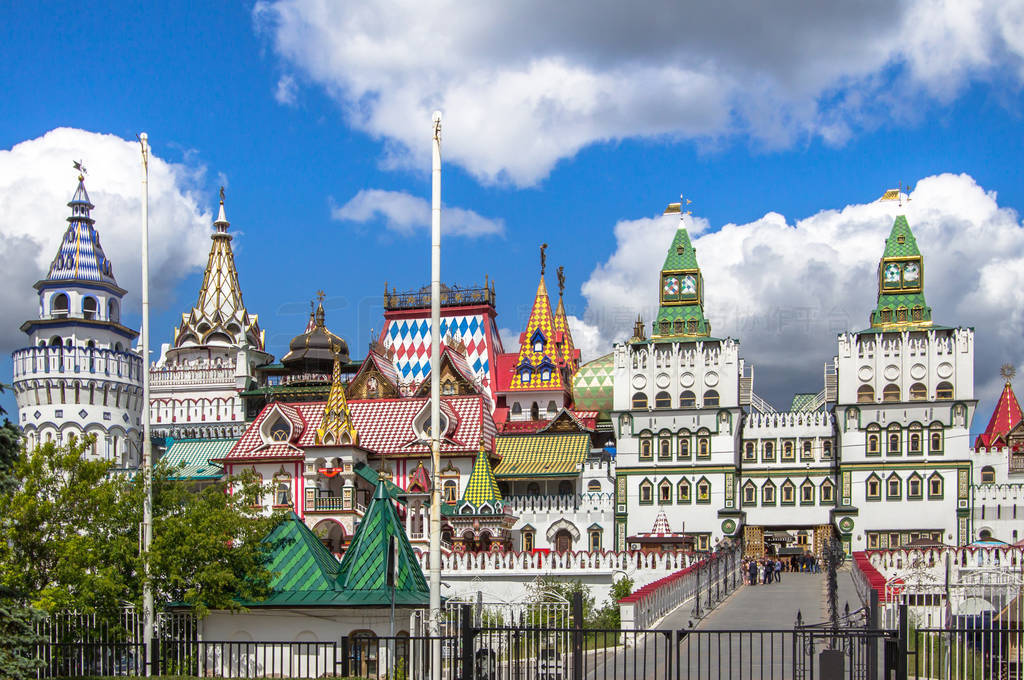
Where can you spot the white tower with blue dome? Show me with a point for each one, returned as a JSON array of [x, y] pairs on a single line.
[[79, 376]]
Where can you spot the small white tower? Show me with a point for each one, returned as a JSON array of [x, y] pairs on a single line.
[[79, 375]]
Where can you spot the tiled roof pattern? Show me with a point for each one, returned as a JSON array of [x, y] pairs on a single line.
[[481, 487], [908, 247], [681, 254], [661, 524], [364, 564], [305, 571], [541, 320], [541, 455], [80, 256], [336, 425], [191, 459], [1005, 417], [384, 426], [802, 401], [570, 355], [592, 386]]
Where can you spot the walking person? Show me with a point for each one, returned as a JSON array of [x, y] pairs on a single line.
[[752, 572], [778, 571]]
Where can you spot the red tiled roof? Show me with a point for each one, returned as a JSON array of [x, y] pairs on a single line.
[[505, 365], [1006, 416], [384, 427]]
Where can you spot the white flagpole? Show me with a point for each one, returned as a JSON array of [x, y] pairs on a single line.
[[435, 406], [147, 448]]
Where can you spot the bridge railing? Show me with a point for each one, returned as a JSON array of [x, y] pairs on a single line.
[[700, 586]]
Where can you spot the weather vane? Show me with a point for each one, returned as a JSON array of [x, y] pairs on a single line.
[[543, 258], [1008, 371], [561, 280], [222, 193], [80, 166], [320, 296], [677, 208]]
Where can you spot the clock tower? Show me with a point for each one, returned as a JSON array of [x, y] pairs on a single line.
[[901, 303], [681, 292]]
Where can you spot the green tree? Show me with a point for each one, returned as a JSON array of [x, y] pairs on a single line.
[[69, 536]]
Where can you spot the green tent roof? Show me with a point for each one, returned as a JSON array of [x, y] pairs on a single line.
[[681, 254], [190, 459], [686, 320], [903, 306], [895, 246], [306, 574], [593, 384]]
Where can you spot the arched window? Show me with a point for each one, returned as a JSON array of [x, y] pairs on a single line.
[[517, 409], [533, 489], [56, 341], [646, 492], [787, 451], [914, 443], [710, 398], [528, 538], [664, 492], [594, 486], [894, 488], [826, 450], [662, 400], [565, 488], [687, 399], [768, 452], [282, 492], [684, 444], [749, 452], [918, 392], [703, 490], [59, 307], [703, 446], [646, 447], [988, 475], [891, 393], [665, 446], [89, 307], [448, 387], [806, 452], [894, 440], [683, 491], [552, 408], [451, 490], [874, 447], [639, 400], [595, 540], [944, 391], [534, 411], [280, 431], [113, 311], [935, 438], [865, 394]]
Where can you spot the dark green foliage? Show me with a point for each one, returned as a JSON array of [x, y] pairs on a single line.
[[17, 658]]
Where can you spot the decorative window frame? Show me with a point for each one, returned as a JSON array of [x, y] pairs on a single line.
[[663, 486], [684, 495], [787, 493], [831, 486], [703, 491], [804, 486], [684, 446], [648, 485], [911, 496], [769, 494], [877, 495], [889, 495], [936, 477]]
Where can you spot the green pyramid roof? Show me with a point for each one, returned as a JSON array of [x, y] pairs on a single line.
[[593, 386], [681, 254], [482, 487], [364, 566], [306, 574], [901, 308]]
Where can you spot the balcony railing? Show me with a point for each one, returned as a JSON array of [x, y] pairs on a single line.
[[450, 297], [331, 504], [41, 362]]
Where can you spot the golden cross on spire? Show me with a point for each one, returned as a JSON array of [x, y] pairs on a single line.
[[320, 295], [1008, 371]]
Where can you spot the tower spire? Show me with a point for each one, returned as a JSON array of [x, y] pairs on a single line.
[[337, 428], [219, 312], [80, 256], [681, 311], [901, 304]]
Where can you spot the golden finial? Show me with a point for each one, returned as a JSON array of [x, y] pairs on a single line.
[[561, 280], [1008, 371], [320, 295], [543, 258]]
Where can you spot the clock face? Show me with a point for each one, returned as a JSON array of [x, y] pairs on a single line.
[[911, 272], [892, 273], [689, 285], [671, 286]]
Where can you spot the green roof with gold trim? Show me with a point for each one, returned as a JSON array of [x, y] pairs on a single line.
[[681, 311], [901, 302], [541, 455]]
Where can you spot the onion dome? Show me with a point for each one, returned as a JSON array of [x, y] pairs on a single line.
[[315, 349]]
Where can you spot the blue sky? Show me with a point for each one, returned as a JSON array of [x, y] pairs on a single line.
[[283, 103]]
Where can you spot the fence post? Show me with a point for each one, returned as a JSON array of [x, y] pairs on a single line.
[[154, 656], [467, 631], [873, 641], [577, 635], [344, 657], [903, 649]]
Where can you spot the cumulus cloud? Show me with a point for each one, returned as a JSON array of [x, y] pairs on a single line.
[[37, 181], [404, 213], [287, 90], [785, 289], [526, 84]]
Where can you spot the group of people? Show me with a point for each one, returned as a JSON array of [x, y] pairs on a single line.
[[769, 570], [762, 571]]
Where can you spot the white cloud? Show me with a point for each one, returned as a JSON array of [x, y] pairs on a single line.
[[786, 289], [526, 84], [404, 213], [287, 90], [36, 183]]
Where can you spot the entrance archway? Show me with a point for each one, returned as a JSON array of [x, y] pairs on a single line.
[[563, 540]]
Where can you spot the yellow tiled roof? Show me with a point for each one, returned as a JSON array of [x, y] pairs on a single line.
[[337, 427], [540, 319], [481, 487], [541, 455]]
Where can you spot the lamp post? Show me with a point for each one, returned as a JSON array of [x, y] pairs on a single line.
[[435, 404], [147, 447]]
